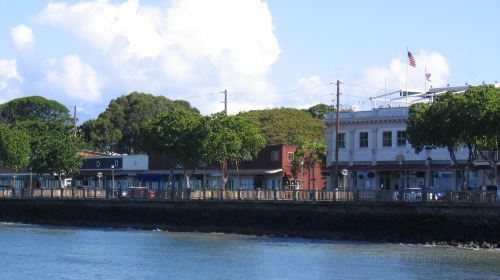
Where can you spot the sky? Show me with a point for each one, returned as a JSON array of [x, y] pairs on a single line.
[[266, 54]]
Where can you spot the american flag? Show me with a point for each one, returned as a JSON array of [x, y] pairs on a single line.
[[411, 60], [427, 75]]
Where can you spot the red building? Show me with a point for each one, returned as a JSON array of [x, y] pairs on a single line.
[[271, 169]]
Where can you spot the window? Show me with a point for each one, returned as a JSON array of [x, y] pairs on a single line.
[[363, 139], [246, 183], [387, 139], [341, 140], [275, 155], [290, 156], [401, 138], [275, 184], [213, 183]]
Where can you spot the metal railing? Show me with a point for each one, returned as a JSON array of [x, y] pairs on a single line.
[[405, 196]]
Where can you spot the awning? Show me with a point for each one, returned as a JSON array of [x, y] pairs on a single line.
[[256, 171]]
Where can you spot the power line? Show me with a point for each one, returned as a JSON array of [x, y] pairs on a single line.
[[367, 87], [281, 92], [355, 96]]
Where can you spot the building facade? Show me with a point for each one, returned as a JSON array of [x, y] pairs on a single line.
[[270, 169], [375, 154], [100, 170]]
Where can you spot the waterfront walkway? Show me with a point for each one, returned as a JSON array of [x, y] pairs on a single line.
[[412, 196]]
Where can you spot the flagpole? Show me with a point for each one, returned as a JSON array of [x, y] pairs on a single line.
[[407, 75], [425, 81]]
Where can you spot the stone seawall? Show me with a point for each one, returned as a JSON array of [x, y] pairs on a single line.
[[476, 225]]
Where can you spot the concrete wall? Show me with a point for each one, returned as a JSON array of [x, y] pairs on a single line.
[[393, 222]]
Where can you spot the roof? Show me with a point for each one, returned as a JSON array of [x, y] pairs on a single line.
[[394, 167]]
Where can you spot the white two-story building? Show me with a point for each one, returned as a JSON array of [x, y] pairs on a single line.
[[375, 154]]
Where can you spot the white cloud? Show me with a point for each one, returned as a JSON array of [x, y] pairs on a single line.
[[9, 79], [104, 25], [378, 80], [22, 36], [315, 91], [8, 70], [72, 79], [395, 74], [356, 92], [239, 33], [191, 46]]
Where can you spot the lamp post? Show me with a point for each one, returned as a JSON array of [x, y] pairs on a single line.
[[301, 172], [14, 176], [112, 181], [429, 172], [345, 172], [99, 176], [31, 182]]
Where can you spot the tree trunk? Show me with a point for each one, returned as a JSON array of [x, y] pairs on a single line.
[[224, 174], [170, 177], [314, 178], [186, 176], [309, 177], [493, 157], [238, 172], [462, 169]]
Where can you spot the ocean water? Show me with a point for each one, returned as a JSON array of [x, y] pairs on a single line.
[[39, 252]]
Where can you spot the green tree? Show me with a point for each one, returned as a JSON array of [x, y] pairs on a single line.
[[230, 139], [120, 124], [289, 126], [101, 133], [14, 148], [484, 104], [252, 140], [320, 111], [56, 152], [307, 155], [176, 133], [450, 122], [33, 108]]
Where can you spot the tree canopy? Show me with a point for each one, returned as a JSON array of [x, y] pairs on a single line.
[[55, 152], [320, 111], [176, 133], [484, 102], [289, 126], [119, 126], [455, 121], [53, 147], [33, 108], [231, 139], [308, 154], [14, 147]]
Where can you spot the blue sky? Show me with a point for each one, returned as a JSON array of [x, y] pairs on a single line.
[[265, 53]]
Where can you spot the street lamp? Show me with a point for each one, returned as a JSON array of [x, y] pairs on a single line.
[[113, 180], [31, 182], [429, 172], [99, 176], [14, 176], [344, 173], [301, 173]]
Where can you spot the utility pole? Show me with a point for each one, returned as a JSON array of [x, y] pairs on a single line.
[[74, 120], [225, 100], [336, 175]]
